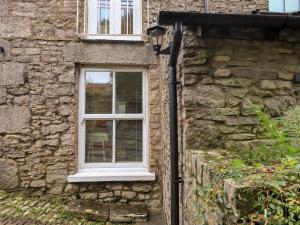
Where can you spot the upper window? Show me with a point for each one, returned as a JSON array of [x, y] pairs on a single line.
[[112, 129], [115, 19], [284, 5]]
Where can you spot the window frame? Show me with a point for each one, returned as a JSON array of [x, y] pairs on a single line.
[[82, 117], [115, 22]]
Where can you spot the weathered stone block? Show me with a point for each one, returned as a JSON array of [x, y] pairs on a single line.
[[237, 82], [128, 194], [240, 197], [154, 204], [253, 73], [38, 183], [6, 45], [142, 188], [268, 84], [2, 95], [11, 74], [94, 211], [128, 214], [286, 76], [235, 121], [200, 70], [222, 73], [241, 136], [210, 96], [105, 194], [55, 90], [201, 135], [8, 174], [14, 119], [284, 85], [89, 196], [14, 27]]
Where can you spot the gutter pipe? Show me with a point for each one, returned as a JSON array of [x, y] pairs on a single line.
[[175, 179], [206, 6], [263, 20]]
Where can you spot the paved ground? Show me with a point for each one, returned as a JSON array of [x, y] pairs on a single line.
[[17, 209]]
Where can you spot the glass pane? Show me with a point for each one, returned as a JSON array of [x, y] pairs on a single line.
[[129, 141], [98, 92], [98, 141], [129, 92], [276, 5], [103, 16], [126, 16], [292, 5]]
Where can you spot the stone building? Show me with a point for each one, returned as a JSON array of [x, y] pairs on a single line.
[[84, 103]]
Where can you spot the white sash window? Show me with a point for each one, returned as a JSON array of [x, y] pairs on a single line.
[[114, 19], [112, 119]]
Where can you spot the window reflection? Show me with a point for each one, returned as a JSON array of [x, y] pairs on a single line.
[[129, 96], [103, 16], [99, 92], [129, 141], [126, 16], [98, 147]]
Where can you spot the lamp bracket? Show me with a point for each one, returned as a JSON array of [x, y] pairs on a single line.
[[165, 51]]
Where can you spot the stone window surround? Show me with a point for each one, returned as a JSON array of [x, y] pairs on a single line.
[[90, 18], [124, 172]]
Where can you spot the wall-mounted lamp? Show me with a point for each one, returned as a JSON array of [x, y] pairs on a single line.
[[156, 33]]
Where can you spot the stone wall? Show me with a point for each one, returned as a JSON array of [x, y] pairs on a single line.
[[214, 6], [222, 71], [237, 5], [39, 75]]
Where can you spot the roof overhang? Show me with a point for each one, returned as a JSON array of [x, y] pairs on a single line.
[[263, 20]]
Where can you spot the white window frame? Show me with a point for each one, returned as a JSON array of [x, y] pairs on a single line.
[[139, 166], [115, 21]]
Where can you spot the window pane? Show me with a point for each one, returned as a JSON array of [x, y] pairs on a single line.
[[291, 5], [98, 144], [103, 16], [276, 5], [129, 141], [98, 92], [126, 16], [129, 96]]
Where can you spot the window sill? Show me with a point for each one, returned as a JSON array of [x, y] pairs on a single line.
[[111, 38], [97, 176]]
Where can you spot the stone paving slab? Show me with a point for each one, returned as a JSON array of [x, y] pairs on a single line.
[[93, 210], [127, 214]]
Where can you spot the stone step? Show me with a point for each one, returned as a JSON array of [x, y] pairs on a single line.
[[128, 214], [99, 212]]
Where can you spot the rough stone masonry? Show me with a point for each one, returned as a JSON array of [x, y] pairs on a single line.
[[223, 71], [39, 73], [38, 103]]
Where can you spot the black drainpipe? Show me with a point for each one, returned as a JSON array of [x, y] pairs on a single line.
[[175, 179]]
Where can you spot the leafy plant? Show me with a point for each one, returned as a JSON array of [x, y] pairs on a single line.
[[275, 169]]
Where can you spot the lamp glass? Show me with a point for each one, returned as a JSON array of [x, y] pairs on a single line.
[[156, 33]]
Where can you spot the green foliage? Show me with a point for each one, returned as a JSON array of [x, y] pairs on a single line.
[[273, 168]]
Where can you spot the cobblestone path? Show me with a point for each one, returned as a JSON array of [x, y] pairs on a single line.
[[18, 209]]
